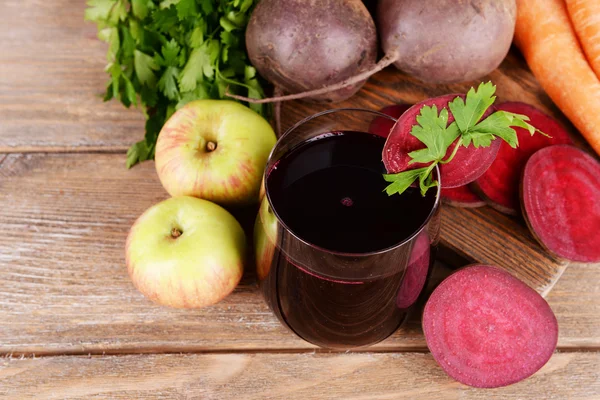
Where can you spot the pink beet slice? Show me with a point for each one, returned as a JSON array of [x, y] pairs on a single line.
[[461, 196], [499, 185], [468, 164], [382, 126], [416, 272], [486, 328], [560, 198]]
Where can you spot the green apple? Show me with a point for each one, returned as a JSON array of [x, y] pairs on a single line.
[[215, 150], [185, 252]]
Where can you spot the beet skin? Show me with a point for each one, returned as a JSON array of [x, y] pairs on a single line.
[[299, 45], [446, 41]]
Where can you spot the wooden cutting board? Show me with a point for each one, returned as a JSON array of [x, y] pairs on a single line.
[[469, 235]]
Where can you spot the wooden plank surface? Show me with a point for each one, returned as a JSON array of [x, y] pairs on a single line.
[[280, 376], [485, 236], [64, 286], [51, 82]]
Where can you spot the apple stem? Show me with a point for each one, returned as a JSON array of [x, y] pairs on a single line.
[[211, 146], [175, 233]]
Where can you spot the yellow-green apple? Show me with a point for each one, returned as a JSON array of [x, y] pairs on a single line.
[[265, 238], [185, 252], [215, 150]]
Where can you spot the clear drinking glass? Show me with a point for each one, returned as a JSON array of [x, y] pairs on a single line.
[[338, 299]]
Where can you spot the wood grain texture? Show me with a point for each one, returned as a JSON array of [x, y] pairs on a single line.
[[483, 235], [51, 82], [281, 376], [64, 286]]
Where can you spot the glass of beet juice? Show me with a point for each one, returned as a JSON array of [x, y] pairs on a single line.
[[339, 261]]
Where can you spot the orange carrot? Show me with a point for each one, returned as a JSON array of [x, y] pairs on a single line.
[[545, 36], [585, 15]]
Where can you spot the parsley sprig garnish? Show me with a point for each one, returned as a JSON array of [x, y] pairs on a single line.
[[433, 131], [163, 54]]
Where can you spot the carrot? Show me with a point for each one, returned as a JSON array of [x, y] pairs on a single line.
[[545, 36], [585, 15]]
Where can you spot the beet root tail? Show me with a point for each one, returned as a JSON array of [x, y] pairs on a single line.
[[388, 59]]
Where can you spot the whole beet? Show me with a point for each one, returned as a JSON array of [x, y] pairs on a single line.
[[300, 45], [447, 41]]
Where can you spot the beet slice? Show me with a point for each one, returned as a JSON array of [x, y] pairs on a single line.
[[486, 328], [560, 199], [381, 126], [468, 163], [416, 272], [499, 185], [461, 196]]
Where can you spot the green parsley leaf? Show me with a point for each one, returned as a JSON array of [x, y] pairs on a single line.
[[114, 44], [207, 6], [193, 71], [432, 130], [402, 180], [478, 139], [426, 181], [201, 92], [144, 68], [168, 83], [496, 125], [165, 19], [130, 92], [469, 111], [153, 57], [99, 10], [254, 89], [149, 96], [139, 8], [197, 36], [137, 153], [520, 121], [186, 9]]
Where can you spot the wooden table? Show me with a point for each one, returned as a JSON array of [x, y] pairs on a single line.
[[73, 326]]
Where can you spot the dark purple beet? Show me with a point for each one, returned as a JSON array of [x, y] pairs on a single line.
[[298, 45], [312, 49]]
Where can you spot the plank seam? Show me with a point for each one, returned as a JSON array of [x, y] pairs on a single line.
[[126, 352]]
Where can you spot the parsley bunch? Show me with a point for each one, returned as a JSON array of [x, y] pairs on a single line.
[[433, 131], [163, 54]]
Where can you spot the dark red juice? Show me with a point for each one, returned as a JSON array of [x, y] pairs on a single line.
[[333, 270]]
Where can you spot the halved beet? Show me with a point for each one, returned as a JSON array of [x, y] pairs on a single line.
[[461, 196], [499, 185], [468, 163], [560, 199], [416, 272], [382, 126], [486, 328]]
